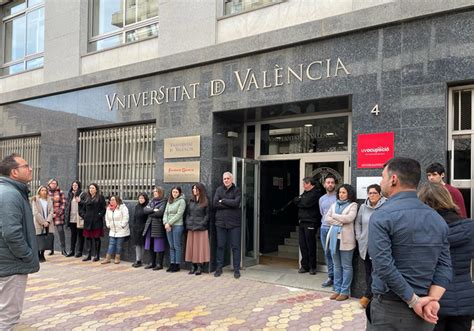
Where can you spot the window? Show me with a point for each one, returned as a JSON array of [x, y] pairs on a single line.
[[29, 149], [120, 160], [461, 129], [117, 22], [23, 27], [232, 7]]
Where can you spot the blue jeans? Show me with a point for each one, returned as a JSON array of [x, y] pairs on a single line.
[[323, 233], [115, 245], [174, 239], [222, 236], [342, 270]]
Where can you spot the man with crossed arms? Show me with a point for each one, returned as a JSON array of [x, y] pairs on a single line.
[[408, 244]]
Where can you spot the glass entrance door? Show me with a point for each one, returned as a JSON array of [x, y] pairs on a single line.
[[319, 168], [246, 176]]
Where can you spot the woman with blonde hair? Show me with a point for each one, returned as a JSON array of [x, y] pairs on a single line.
[[42, 207], [457, 303]]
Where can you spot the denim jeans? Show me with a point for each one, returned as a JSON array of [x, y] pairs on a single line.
[[342, 270], [323, 233], [115, 245], [174, 239], [222, 236]]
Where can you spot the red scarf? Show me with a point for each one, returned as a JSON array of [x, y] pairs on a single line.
[[112, 208]]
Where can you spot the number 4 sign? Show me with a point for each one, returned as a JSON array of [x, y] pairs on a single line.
[[375, 110]]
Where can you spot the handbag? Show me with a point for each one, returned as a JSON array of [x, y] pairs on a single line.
[[80, 221], [45, 241]]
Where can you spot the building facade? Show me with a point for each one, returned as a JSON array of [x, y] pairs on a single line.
[[173, 92]]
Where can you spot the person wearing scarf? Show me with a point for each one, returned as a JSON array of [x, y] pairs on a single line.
[[341, 240], [116, 220]]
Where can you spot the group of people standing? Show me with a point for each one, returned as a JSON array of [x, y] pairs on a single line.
[[413, 254]]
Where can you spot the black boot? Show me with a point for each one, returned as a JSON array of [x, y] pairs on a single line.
[[81, 246], [88, 250], [51, 253], [41, 256], [198, 269], [176, 267], [159, 264], [63, 251], [137, 264], [153, 261], [97, 250], [193, 269], [170, 268], [71, 254]]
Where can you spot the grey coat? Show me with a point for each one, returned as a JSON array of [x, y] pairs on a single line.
[[18, 247], [362, 224]]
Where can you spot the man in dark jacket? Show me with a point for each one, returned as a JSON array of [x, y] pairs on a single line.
[[228, 222], [18, 247], [309, 218]]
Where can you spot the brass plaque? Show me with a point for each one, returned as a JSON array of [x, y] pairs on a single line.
[[182, 172], [182, 147]]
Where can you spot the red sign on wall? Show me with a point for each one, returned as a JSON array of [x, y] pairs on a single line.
[[374, 149]]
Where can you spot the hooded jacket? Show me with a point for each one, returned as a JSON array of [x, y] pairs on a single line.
[[362, 224], [18, 247]]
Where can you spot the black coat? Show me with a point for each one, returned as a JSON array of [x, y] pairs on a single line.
[[138, 225], [155, 218], [459, 296], [92, 211], [197, 218], [227, 205], [308, 207]]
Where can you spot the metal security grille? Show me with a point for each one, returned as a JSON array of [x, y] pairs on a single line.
[[120, 160], [29, 149]]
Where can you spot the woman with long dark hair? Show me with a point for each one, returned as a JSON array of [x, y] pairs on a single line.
[[138, 226], [92, 210], [154, 231], [173, 221], [457, 303], [341, 240], [72, 219], [197, 224]]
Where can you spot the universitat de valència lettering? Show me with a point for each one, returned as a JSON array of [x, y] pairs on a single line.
[[246, 80]]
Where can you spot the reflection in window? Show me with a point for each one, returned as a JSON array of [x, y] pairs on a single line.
[[23, 24], [117, 22], [462, 157], [312, 136]]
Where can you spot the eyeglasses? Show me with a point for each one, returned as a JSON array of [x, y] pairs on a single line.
[[26, 165]]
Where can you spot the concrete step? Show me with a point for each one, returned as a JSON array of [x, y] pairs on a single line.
[[291, 242], [289, 255], [294, 235], [285, 248]]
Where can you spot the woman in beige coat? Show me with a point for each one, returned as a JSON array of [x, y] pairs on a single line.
[[42, 207], [341, 240]]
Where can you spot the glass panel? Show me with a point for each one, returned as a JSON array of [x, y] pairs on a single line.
[[466, 110], [466, 194], [14, 7], [15, 34], [13, 69], [462, 157], [249, 201], [142, 33], [456, 111], [107, 16], [316, 135], [130, 11], [250, 142], [32, 3], [147, 9], [35, 63], [35, 32], [238, 6], [106, 43]]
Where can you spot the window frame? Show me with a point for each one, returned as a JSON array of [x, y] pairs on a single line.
[[245, 11], [26, 58], [120, 31]]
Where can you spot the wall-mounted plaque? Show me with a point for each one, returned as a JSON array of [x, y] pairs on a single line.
[[182, 147], [181, 172]]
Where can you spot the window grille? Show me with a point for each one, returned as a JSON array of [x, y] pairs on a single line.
[[29, 149], [120, 160]]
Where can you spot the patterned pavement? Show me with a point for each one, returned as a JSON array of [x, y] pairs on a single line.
[[68, 294]]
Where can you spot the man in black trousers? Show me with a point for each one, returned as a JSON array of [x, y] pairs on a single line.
[[310, 220]]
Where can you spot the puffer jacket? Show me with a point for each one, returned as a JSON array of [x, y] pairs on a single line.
[[174, 211], [362, 224], [155, 211], [227, 205], [38, 217], [117, 221], [197, 218], [18, 246], [458, 299]]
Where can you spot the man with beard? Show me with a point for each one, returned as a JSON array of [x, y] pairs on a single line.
[[325, 203]]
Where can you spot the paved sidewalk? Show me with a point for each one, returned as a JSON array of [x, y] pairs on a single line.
[[68, 294]]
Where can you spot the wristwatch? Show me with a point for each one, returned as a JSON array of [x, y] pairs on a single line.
[[413, 302]]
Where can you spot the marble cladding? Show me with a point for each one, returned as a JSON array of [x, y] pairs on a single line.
[[405, 68]]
